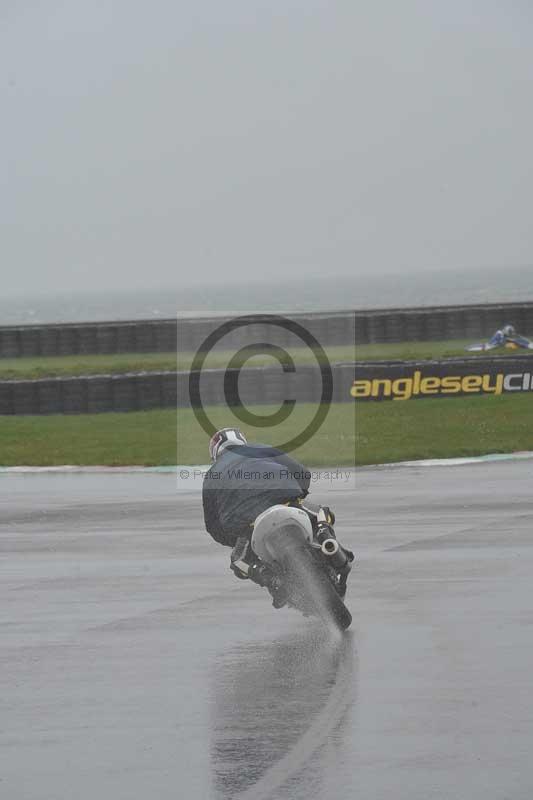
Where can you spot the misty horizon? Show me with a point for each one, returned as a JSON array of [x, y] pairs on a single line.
[[175, 144], [314, 294]]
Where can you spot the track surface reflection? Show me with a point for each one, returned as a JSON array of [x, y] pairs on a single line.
[[133, 665]]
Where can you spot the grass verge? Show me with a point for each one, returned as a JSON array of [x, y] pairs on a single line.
[[443, 428], [424, 351], [380, 432], [62, 366], [162, 437]]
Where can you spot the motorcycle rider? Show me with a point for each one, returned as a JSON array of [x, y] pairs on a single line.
[[243, 481], [501, 336]]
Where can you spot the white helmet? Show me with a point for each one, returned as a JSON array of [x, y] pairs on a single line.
[[222, 438], [509, 330]]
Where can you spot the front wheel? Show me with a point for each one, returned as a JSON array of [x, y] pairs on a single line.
[[309, 577]]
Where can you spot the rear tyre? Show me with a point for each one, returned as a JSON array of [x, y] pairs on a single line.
[[299, 563]]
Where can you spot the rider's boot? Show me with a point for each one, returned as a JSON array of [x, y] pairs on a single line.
[[241, 558], [245, 564], [264, 575]]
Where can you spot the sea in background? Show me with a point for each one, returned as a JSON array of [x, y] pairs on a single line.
[[317, 294]]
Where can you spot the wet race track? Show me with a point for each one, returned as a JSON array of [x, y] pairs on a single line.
[[134, 665]]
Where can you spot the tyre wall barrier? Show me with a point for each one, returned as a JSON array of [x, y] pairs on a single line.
[[398, 380], [182, 335], [88, 339], [144, 391], [360, 381], [440, 323], [336, 328]]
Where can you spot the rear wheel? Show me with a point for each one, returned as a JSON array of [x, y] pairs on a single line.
[[303, 569]]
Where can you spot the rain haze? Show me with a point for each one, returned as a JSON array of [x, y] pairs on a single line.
[[285, 552], [177, 144]]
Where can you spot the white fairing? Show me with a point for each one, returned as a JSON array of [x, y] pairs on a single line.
[[274, 518]]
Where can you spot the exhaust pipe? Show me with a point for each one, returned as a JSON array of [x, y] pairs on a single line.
[[334, 553]]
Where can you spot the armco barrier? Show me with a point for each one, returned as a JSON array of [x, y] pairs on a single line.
[[144, 391], [402, 381]]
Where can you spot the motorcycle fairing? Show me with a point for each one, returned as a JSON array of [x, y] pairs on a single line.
[[273, 519]]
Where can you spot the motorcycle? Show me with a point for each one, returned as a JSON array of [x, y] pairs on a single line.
[[313, 570]]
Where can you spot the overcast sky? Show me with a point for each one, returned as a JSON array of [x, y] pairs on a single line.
[[184, 142]]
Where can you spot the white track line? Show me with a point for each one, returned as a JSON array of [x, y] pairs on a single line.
[[72, 469], [427, 462], [455, 462]]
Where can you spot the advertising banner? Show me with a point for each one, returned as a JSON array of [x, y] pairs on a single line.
[[410, 380]]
